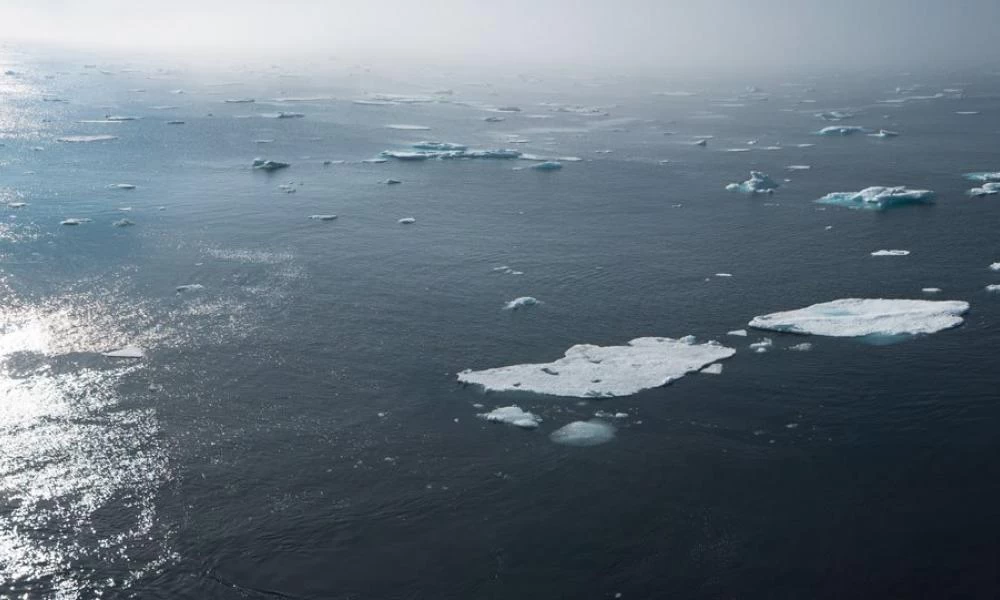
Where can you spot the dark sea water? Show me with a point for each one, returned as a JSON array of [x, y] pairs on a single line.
[[296, 429]]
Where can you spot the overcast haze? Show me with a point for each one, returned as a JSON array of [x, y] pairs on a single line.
[[681, 34]]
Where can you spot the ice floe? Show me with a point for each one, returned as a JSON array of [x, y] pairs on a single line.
[[583, 434], [987, 189], [549, 165], [595, 371], [738, 332], [878, 197], [82, 139], [522, 302], [74, 221], [407, 221], [759, 183], [404, 127], [123, 223], [322, 217], [993, 287], [841, 130], [126, 352], [189, 287], [993, 267], [713, 369], [803, 347], [859, 317], [762, 346], [891, 253], [512, 415], [268, 165], [121, 186]]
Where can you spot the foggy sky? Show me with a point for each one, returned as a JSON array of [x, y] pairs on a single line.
[[624, 34]]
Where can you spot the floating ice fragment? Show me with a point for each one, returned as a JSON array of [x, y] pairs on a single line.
[[583, 434], [268, 165], [123, 223], [126, 352], [966, 112], [522, 302], [403, 127], [16, 204], [993, 267], [841, 130], [121, 186], [884, 133], [239, 100], [322, 217], [759, 183], [701, 142], [595, 371], [835, 115], [407, 220], [494, 119], [857, 317], [175, 122], [987, 189], [74, 221], [762, 346], [82, 139], [392, 182], [994, 287], [931, 290], [713, 369], [439, 146], [190, 287], [803, 347], [120, 118], [738, 332], [891, 253], [548, 165], [798, 167], [878, 197], [512, 415]]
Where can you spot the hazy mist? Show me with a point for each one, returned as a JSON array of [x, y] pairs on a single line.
[[625, 34]]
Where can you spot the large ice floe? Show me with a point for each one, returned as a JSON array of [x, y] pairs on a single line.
[[512, 415], [584, 433], [759, 183], [878, 197], [861, 317], [604, 371]]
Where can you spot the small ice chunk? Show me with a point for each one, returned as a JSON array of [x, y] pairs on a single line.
[[407, 220], [762, 346], [587, 371], [549, 165], [803, 347], [841, 130], [268, 165], [891, 253], [83, 139], [126, 352], [738, 332], [857, 317], [512, 415], [583, 434], [403, 127], [993, 287], [16, 204], [993, 267], [713, 369], [798, 167], [120, 118], [322, 217], [175, 122], [123, 223], [122, 186], [931, 290], [878, 197], [392, 182], [494, 119], [989, 188], [522, 302], [723, 274], [884, 133], [74, 221], [239, 100], [759, 183], [190, 287], [966, 112], [702, 142], [439, 146]]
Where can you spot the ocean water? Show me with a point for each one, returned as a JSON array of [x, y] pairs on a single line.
[[296, 428]]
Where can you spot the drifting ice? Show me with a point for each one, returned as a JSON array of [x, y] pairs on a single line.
[[878, 197], [548, 165], [841, 130], [126, 352], [759, 183], [268, 165], [190, 287], [522, 302], [512, 415], [857, 317], [891, 253], [322, 217], [583, 434], [594, 371]]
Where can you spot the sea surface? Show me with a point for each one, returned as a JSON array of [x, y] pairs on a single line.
[[296, 428]]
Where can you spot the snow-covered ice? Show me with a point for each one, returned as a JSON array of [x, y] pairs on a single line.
[[738, 332], [878, 197], [583, 433], [512, 415], [595, 371], [858, 317]]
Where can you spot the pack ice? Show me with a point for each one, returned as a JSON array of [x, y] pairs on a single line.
[[878, 197], [595, 371], [857, 317], [759, 183]]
